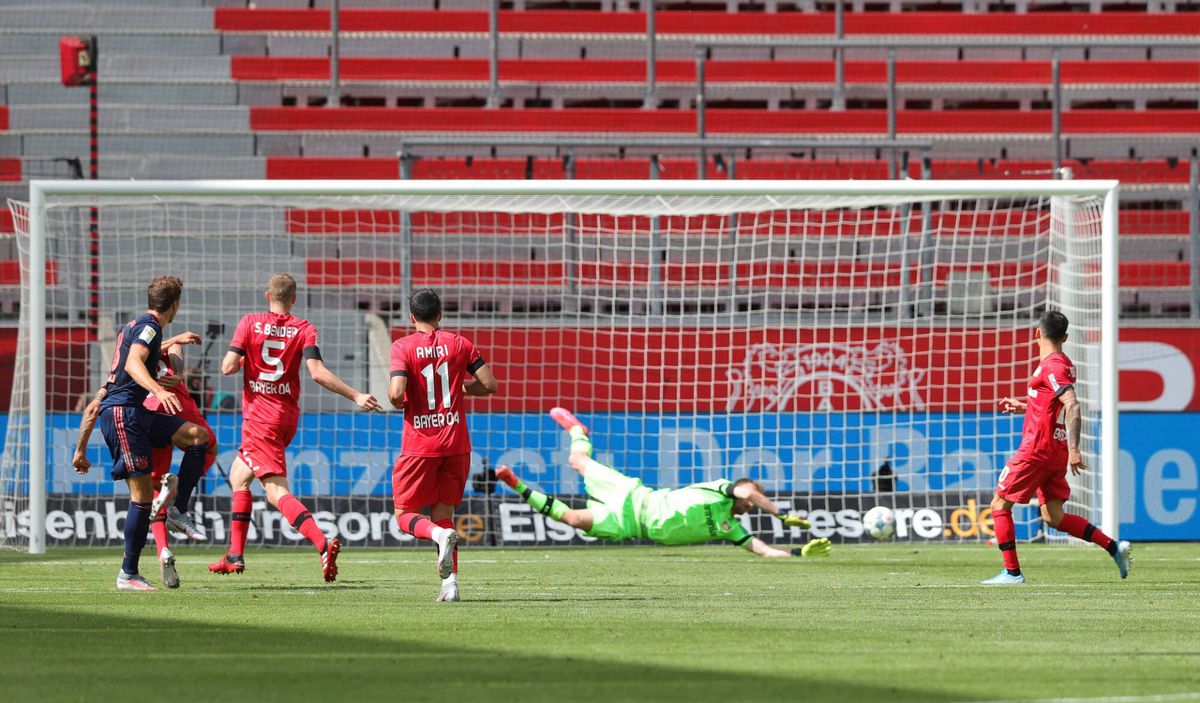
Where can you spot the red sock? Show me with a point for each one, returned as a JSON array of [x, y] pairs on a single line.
[[1084, 530], [448, 523], [1006, 538], [301, 519], [239, 521], [158, 527], [416, 525]]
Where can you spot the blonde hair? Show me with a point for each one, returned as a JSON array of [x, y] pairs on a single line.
[[282, 288]]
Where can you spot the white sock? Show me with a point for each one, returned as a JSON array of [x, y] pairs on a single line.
[[451, 580]]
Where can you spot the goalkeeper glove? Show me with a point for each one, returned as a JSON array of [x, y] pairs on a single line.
[[795, 520], [815, 548]]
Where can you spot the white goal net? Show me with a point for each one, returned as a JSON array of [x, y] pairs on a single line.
[[844, 343]]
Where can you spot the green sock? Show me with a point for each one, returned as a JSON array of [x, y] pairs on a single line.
[[580, 442], [544, 504]]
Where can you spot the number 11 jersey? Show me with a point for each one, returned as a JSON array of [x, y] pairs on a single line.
[[273, 346], [436, 365]]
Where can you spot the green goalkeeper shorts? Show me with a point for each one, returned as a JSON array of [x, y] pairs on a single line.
[[615, 503]]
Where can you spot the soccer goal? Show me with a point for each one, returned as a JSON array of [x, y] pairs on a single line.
[[845, 343]]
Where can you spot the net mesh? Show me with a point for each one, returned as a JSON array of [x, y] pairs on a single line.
[[845, 351]]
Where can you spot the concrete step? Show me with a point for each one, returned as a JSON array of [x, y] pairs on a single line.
[[205, 93], [76, 144], [159, 42], [72, 18], [36, 69], [132, 118]]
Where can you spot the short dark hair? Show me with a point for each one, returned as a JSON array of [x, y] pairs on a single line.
[[163, 292], [1053, 325], [425, 305]]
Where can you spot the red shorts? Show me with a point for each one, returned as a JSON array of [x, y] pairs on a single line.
[[160, 457], [1021, 480], [263, 447], [418, 481]]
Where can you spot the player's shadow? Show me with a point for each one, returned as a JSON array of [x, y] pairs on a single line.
[[256, 654]]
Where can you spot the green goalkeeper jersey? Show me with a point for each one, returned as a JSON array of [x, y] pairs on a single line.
[[700, 512]]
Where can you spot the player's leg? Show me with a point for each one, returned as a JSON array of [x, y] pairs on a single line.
[[193, 439], [581, 442], [137, 524], [452, 473], [161, 476], [130, 451], [234, 561], [1017, 484], [1055, 515], [414, 486], [545, 504], [301, 519]]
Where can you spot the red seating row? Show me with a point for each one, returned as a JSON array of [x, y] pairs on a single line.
[[828, 276], [7, 226], [10, 170], [10, 273], [258, 68], [352, 168], [732, 121], [708, 23], [3, 117], [776, 224]]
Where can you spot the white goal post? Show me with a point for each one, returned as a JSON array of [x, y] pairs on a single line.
[[768, 276]]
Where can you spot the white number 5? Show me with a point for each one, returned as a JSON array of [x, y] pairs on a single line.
[[271, 361]]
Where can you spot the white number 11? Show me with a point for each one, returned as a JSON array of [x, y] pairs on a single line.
[[443, 370]]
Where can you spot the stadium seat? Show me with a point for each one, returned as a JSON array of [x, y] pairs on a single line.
[[3, 117], [601, 71], [726, 121], [707, 23], [10, 273], [10, 170]]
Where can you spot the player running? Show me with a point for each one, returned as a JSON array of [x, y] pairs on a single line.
[[131, 431], [432, 370], [1047, 448], [622, 508], [270, 347], [170, 505]]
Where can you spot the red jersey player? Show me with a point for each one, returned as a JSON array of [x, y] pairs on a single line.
[[270, 346], [1047, 448], [432, 370]]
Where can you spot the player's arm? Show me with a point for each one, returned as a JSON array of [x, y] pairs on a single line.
[[483, 384], [171, 345], [1073, 413], [135, 366], [747, 491], [330, 382], [90, 413], [232, 362], [1011, 406], [397, 387], [763, 549]]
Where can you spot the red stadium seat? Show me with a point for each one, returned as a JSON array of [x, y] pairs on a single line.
[[7, 226], [708, 23], [3, 117], [10, 170], [733, 121], [10, 273], [1155, 274], [599, 71]]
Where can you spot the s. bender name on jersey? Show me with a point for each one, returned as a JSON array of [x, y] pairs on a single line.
[[275, 330], [433, 420]]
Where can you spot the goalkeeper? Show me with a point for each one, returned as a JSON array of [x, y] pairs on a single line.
[[620, 507]]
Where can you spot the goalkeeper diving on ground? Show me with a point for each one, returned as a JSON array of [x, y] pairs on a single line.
[[620, 507]]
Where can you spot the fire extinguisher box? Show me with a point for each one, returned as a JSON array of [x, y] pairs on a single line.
[[76, 56]]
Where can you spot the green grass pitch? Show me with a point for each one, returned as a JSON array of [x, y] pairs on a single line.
[[871, 623]]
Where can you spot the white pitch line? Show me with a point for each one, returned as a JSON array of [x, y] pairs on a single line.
[[1152, 698]]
